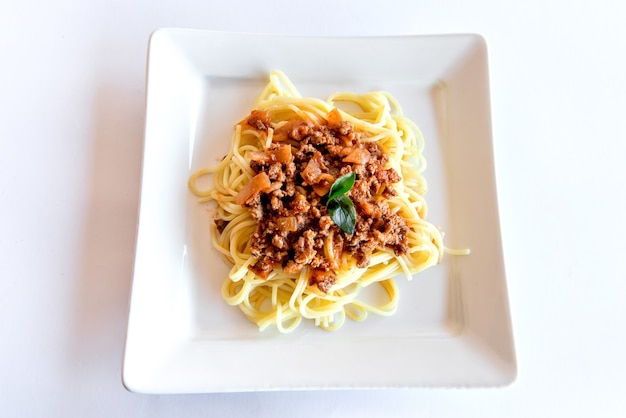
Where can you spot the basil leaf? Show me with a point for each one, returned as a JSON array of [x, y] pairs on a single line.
[[343, 213], [342, 185]]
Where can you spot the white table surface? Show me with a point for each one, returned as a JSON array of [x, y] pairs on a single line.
[[72, 79]]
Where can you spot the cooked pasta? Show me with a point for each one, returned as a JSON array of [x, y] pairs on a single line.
[[276, 221]]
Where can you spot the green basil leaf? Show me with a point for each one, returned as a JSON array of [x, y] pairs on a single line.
[[342, 185], [343, 213]]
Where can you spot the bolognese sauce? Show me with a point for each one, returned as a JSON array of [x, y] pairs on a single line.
[[286, 196]]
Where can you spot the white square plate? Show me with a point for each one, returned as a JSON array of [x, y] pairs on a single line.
[[452, 327]]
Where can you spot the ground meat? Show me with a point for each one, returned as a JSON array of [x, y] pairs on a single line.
[[259, 119], [276, 172], [220, 224], [256, 208], [294, 224], [323, 279]]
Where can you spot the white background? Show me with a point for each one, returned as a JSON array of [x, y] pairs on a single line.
[[72, 79]]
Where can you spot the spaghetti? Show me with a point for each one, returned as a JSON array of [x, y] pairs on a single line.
[[290, 259]]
